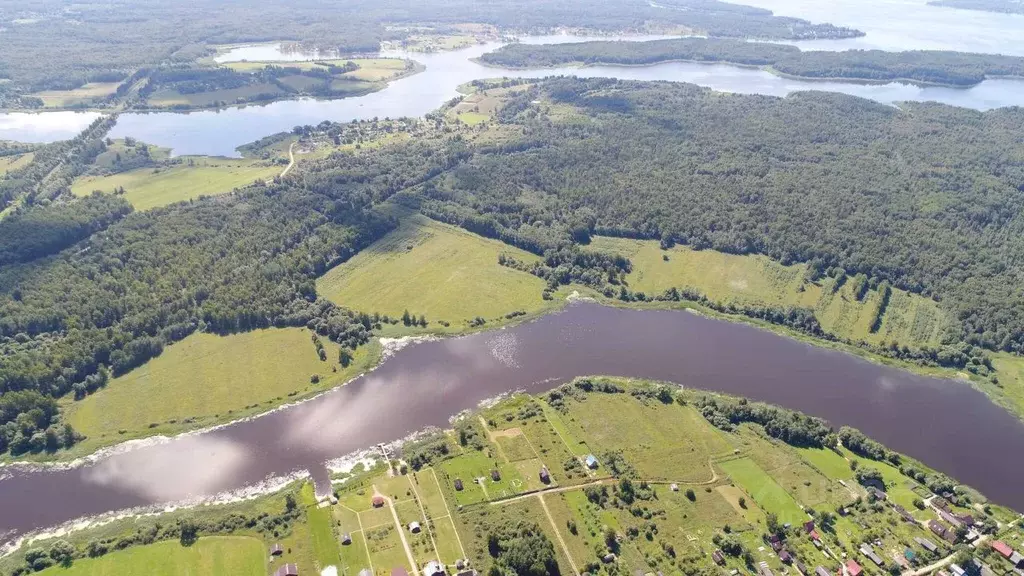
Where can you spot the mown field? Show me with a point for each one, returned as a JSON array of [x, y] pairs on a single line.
[[13, 162], [82, 96], [148, 188], [212, 556], [909, 319], [440, 271], [207, 378]]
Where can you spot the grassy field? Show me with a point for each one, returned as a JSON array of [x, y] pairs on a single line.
[[211, 556], [205, 379], [764, 490], [322, 538], [148, 188], [84, 95], [440, 271], [13, 162], [909, 319], [370, 69], [663, 442], [1011, 379]]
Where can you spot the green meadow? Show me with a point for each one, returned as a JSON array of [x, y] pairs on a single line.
[[437, 270], [909, 319], [13, 162], [212, 556], [148, 188], [207, 379]]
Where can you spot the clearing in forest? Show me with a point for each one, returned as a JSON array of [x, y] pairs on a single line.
[[758, 280], [148, 188], [440, 271]]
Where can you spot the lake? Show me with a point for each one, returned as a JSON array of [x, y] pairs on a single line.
[[946, 424], [220, 132]]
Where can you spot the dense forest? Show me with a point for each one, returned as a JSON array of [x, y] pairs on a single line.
[[54, 45], [1002, 6], [940, 67], [927, 197]]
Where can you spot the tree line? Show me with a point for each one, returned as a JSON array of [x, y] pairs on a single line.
[[934, 66]]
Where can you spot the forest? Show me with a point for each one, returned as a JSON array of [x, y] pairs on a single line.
[[54, 45], [933, 66], [828, 179]]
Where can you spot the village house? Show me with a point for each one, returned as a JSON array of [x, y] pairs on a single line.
[[786, 557], [1017, 560], [545, 476], [868, 551], [948, 517], [287, 570], [800, 566], [346, 539], [957, 570], [458, 485], [852, 568], [399, 571], [365, 572], [718, 557], [942, 531], [590, 461], [764, 570], [820, 571], [904, 513], [414, 527], [1002, 548], [433, 568], [926, 544], [377, 501], [276, 550], [878, 494], [809, 526]]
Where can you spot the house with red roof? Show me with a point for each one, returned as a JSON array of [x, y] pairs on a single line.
[[852, 568], [1002, 548]]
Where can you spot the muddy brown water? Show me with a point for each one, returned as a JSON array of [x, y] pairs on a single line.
[[946, 424]]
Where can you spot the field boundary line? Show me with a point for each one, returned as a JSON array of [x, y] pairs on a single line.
[[558, 534], [426, 519], [449, 511]]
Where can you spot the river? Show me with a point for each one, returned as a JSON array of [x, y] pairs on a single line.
[[946, 424]]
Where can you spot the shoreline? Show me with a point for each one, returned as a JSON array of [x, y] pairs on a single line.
[[765, 68]]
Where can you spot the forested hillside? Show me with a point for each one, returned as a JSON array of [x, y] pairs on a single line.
[[927, 197], [55, 45], [234, 263], [955, 68]]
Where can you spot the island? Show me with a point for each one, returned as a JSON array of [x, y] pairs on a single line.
[[599, 476], [922, 66]]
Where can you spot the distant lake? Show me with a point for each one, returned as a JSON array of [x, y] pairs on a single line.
[[948, 425], [220, 132]]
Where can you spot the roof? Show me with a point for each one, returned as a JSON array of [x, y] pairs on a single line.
[[784, 556], [909, 554], [957, 570], [433, 567], [287, 570], [820, 571], [815, 535], [1017, 559], [926, 544], [590, 459], [1002, 548], [853, 568], [809, 525], [399, 571], [276, 549], [365, 572]]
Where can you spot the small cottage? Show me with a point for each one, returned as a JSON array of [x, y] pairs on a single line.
[[852, 568], [545, 477], [1001, 547], [674, 487], [458, 485], [377, 501], [608, 558], [433, 568], [718, 557], [590, 461], [495, 475], [346, 539], [276, 550], [287, 570], [926, 544], [414, 527], [399, 571], [365, 572], [820, 571]]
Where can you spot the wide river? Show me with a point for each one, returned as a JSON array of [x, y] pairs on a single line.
[[944, 423], [889, 25]]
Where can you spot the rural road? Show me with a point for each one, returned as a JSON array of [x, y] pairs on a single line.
[[558, 533], [291, 160]]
